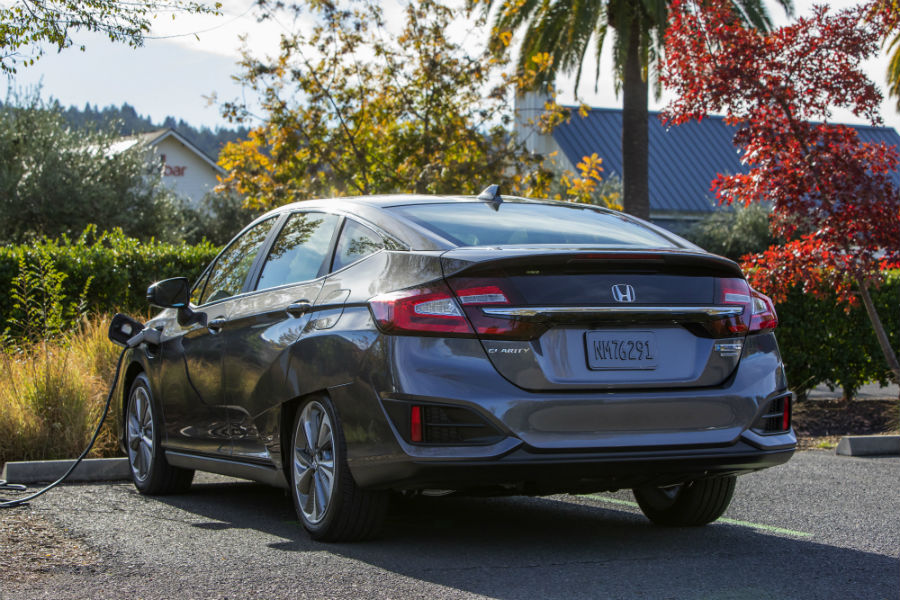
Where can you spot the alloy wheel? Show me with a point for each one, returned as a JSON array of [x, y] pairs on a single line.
[[313, 462], [139, 427]]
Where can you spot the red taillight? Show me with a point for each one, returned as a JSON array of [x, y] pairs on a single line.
[[430, 310], [786, 417], [475, 293], [763, 317], [733, 291], [758, 315], [415, 423]]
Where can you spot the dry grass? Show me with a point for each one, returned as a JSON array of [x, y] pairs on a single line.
[[52, 395]]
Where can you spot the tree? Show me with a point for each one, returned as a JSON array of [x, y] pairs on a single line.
[[26, 26], [56, 180], [565, 29], [887, 12], [834, 202], [355, 109], [733, 232]]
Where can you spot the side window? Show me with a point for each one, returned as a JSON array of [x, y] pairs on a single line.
[[299, 251], [197, 291], [357, 241], [228, 274]]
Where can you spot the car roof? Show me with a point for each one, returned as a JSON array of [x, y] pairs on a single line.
[[387, 200], [413, 236]]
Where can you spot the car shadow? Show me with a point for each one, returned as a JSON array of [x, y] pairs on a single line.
[[517, 548]]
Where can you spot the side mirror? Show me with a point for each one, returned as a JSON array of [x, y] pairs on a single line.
[[170, 293], [175, 293]]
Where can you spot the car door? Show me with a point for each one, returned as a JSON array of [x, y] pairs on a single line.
[[192, 385], [262, 325]]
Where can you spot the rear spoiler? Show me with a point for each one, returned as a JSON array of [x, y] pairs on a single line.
[[473, 260]]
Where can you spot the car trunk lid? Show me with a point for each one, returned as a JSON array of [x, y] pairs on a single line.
[[589, 319]]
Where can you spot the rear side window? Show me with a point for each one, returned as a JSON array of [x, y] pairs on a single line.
[[226, 278], [357, 241], [299, 250], [514, 223]]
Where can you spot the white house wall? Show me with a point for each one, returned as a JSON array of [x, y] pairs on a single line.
[[183, 171]]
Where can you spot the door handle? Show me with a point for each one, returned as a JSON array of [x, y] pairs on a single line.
[[216, 325], [299, 308]]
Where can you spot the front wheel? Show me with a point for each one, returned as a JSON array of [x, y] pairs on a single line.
[[327, 499], [692, 503], [151, 473]]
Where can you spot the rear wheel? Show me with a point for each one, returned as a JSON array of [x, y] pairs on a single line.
[[327, 499], [691, 503], [151, 473]]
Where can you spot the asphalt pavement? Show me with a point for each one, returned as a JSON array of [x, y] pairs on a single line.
[[821, 526]]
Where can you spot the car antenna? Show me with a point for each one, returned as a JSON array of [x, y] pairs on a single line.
[[492, 194]]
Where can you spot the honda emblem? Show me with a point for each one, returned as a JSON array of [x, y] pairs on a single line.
[[622, 292]]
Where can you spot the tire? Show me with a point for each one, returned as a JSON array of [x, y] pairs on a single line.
[[150, 471], [689, 504], [330, 505]]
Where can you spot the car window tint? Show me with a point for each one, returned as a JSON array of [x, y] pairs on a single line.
[[511, 223], [356, 242], [197, 290], [233, 265], [299, 251]]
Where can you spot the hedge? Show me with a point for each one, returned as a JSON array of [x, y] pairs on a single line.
[[823, 342], [119, 268]]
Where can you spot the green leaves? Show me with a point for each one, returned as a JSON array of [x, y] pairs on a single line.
[[27, 26], [56, 180], [49, 282], [353, 109]]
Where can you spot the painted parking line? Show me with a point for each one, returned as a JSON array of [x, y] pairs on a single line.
[[748, 524]]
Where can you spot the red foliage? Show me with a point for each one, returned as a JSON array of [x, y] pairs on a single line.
[[832, 194]]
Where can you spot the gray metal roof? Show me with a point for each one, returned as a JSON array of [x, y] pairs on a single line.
[[683, 160]]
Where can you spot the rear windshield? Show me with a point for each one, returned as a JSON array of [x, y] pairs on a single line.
[[513, 223]]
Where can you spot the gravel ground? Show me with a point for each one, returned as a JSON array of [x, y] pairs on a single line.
[[34, 548], [821, 526]]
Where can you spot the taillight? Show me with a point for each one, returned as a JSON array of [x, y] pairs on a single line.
[[737, 292], [763, 317], [475, 293], [430, 310], [758, 315]]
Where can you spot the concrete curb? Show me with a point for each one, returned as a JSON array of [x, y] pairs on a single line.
[[869, 445], [45, 471]]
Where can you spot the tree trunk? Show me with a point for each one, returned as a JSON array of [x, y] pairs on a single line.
[[635, 93], [889, 354]]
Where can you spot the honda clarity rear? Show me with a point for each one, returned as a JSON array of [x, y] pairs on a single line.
[[351, 348]]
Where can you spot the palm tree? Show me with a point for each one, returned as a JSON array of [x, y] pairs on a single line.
[[565, 29]]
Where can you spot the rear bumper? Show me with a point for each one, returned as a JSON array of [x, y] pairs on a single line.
[[527, 471], [553, 441]]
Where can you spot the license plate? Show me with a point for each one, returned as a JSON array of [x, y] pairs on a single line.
[[621, 349]]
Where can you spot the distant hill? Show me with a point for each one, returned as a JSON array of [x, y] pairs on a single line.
[[129, 122]]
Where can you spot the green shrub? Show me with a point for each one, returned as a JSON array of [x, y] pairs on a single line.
[[733, 231], [822, 342], [110, 270]]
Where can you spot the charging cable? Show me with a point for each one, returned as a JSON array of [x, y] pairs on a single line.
[[4, 503]]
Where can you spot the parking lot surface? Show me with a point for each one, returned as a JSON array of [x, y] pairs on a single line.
[[819, 527]]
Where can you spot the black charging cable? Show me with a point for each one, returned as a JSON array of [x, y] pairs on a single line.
[[4, 503]]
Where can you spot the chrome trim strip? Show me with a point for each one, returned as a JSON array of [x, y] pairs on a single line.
[[608, 312]]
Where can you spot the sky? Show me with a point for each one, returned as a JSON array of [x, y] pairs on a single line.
[[187, 65]]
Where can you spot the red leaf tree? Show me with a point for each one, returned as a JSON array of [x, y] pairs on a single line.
[[832, 195]]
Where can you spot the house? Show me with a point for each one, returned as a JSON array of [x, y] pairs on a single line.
[[185, 168], [683, 160]]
